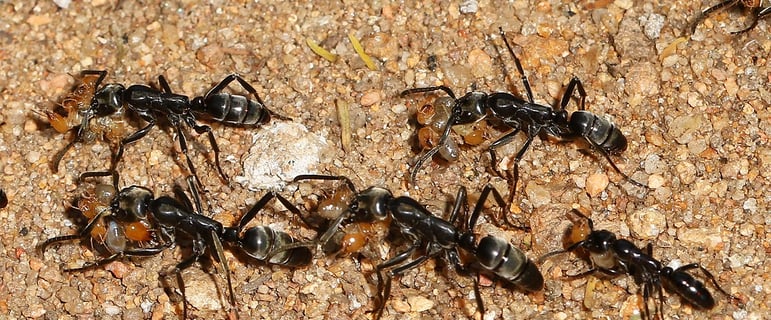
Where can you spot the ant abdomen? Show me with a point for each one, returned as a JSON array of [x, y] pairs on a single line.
[[262, 242], [508, 262], [234, 109], [598, 131], [687, 287]]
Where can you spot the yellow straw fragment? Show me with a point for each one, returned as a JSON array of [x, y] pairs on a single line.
[[360, 50], [331, 57], [670, 49], [345, 124]]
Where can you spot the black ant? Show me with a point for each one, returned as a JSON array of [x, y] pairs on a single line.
[[118, 223], [3, 199], [755, 7], [150, 104], [177, 222], [614, 257], [529, 117], [431, 236]]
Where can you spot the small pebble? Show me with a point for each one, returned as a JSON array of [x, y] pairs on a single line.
[[684, 127], [655, 181], [706, 237], [647, 223], [483, 64], [370, 97], [596, 184], [419, 304], [537, 194], [469, 6]]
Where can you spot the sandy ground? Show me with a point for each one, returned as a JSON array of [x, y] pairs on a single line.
[[695, 113]]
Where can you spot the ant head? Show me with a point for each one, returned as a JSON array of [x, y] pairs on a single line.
[[107, 100], [132, 203], [471, 107], [371, 204], [599, 241]]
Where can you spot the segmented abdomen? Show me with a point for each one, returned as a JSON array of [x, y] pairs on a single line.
[[508, 262], [235, 109], [262, 244]]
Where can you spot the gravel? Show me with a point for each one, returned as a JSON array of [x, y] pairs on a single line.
[[696, 116]]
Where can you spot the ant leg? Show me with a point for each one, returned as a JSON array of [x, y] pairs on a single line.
[[429, 89], [101, 73], [93, 264], [198, 250], [704, 14], [222, 84], [646, 313], [489, 189], [571, 248], [183, 147], [579, 275], [478, 296], [42, 247], [460, 201], [525, 82], [142, 252], [574, 84], [207, 129], [514, 177], [384, 290], [346, 180], [141, 133], [757, 13], [81, 235], [164, 84], [98, 174], [180, 195], [59, 155], [419, 163], [613, 164], [194, 192], [333, 227], [505, 139], [223, 263], [245, 219]]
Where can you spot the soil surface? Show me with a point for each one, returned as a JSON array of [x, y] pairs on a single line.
[[695, 111]]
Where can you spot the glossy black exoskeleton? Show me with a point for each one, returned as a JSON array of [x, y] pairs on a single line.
[[150, 104], [531, 118], [613, 257], [428, 236]]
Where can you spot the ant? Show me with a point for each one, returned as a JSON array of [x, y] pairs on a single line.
[[73, 111], [178, 223], [150, 104], [117, 223], [3, 199], [431, 236], [529, 117], [614, 257], [755, 7]]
